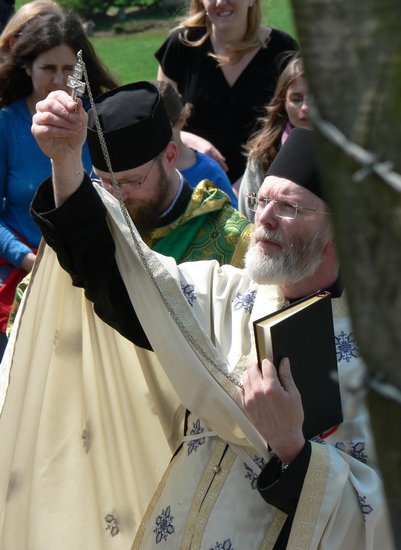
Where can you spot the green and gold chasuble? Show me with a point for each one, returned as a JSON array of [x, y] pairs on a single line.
[[209, 229]]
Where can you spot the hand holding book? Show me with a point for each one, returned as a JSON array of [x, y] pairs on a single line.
[[303, 332], [274, 406]]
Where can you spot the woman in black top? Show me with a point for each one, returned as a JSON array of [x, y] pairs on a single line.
[[226, 63]]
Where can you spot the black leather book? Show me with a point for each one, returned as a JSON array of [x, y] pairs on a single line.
[[304, 332]]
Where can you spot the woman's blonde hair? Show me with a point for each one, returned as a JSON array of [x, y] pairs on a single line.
[[197, 18], [265, 143]]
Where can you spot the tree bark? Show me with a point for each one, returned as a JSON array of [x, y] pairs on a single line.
[[352, 53]]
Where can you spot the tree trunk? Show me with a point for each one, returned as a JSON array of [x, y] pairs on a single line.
[[352, 55]]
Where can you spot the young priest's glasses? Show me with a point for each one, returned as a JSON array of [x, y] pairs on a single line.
[[282, 209], [124, 185]]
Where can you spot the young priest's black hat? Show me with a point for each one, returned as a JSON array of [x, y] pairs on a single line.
[[135, 126], [296, 161]]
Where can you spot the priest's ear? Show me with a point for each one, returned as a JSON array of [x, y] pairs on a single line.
[[330, 251], [171, 155]]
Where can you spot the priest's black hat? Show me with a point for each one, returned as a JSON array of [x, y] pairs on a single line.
[[296, 161], [135, 126]]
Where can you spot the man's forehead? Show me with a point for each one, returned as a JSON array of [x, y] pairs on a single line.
[[275, 187], [282, 186]]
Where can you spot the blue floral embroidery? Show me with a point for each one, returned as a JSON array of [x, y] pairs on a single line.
[[195, 443], [244, 301], [352, 448], [366, 508], [112, 525], [87, 439], [189, 293], [346, 347], [226, 545], [250, 474], [164, 525]]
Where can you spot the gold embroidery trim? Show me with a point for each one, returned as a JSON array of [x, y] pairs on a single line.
[[274, 530], [340, 306], [207, 492], [145, 520], [196, 204], [216, 199], [237, 259], [311, 499]]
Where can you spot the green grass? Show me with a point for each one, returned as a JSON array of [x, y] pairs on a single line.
[[130, 55], [278, 14]]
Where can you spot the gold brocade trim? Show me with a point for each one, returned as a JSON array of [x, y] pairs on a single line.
[[311, 499], [244, 361], [142, 528], [274, 530], [237, 259], [207, 492], [246, 358], [340, 306], [175, 438], [216, 200], [197, 205], [269, 295]]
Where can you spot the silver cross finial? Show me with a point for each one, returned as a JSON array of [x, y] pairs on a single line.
[[74, 82]]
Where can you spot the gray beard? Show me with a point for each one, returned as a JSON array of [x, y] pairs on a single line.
[[292, 263]]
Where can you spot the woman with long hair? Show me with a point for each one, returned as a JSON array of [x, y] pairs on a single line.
[[287, 110], [39, 60]]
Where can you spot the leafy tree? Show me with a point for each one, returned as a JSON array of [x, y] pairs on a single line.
[[87, 8]]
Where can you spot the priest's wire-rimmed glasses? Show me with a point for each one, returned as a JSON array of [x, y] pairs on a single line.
[[123, 185], [282, 209]]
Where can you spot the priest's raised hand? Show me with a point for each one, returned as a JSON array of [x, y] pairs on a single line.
[[60, 127]]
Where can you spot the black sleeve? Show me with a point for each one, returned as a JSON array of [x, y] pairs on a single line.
[[282, 489], [78, 232], [171, 56]]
